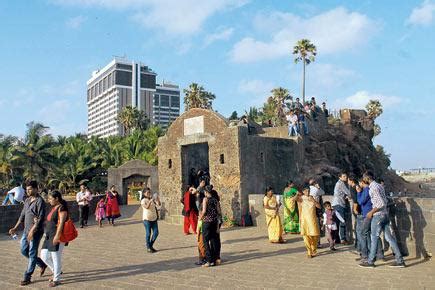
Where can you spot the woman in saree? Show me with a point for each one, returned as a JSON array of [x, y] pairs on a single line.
[[309, 225], [273, 221], [112, 207], [291, 213]]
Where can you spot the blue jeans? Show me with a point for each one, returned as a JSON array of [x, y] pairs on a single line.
[[304, 127], [342, 226], [150, 225], [358, 231], [9, 197], [29, 249], [365, 240], [381, 223], [293, 130]]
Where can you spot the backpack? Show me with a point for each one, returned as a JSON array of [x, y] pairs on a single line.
[[69, 232]]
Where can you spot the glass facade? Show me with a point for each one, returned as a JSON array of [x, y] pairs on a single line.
[[123, 78], [147, 81]]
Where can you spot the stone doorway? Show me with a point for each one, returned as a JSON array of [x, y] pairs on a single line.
[[133, 185], [193, 156]]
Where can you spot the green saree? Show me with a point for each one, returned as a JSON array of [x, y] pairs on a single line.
[[291, 218]]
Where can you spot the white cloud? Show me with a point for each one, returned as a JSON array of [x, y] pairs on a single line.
[[360, 99], [172, 16], [258, 90], [334, 31], [221, 34], [422, 15], [55, 112], [75, 22]]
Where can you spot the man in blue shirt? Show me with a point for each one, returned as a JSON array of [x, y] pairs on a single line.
[[365, 238]]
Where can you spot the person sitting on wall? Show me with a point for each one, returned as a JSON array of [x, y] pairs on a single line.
[[15, 195], [292, 120]]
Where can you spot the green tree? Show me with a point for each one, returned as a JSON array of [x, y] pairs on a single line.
[[132, 118], [279, 98], [6, 165], [34, 154], [304, 51], [374, 109], [197, 97], [233, 116]]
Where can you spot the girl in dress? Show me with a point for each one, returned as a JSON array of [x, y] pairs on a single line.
[[100, 212]]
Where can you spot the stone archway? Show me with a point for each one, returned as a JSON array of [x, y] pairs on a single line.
[[134, 171]]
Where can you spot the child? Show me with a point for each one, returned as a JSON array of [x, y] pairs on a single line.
[[330, 217], [100, 212]]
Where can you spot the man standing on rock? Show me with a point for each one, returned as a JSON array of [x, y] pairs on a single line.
[[32, 215], [339, 203]]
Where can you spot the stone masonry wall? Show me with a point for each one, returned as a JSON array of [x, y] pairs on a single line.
[[225, 176]]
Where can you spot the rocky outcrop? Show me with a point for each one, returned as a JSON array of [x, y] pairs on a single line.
[[345, 144]]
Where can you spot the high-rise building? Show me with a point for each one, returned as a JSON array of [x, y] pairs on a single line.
[[166, 104], [119, 84]]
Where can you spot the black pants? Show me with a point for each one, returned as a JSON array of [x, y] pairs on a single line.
[[211, 241], [83, 214]]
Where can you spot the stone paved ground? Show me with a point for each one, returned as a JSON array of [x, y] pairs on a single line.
[[114, 258]]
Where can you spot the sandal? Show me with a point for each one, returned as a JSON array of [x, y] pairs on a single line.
[[53, 284]]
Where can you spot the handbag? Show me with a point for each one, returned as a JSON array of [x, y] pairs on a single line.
[[69, 231]]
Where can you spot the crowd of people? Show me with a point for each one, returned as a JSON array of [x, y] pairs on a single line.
[[306, 214], [298, 113]]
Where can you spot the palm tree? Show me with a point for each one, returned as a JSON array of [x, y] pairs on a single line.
[[34, 154], [132, 118], [306, 52], [279, 97], [197, 97], [6, 165]]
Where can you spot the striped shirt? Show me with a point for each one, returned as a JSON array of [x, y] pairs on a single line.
[[378, 197]]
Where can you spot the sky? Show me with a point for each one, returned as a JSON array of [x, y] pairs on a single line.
[[237, 49]]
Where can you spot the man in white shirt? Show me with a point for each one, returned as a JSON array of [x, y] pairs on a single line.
[[83, 198], [15, 195], [292, 120]]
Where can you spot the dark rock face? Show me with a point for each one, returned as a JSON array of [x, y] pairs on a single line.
[[345, 145]]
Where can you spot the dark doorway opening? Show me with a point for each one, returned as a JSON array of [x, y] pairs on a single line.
[[193, 156]]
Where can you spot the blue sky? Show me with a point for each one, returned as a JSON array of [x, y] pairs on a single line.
[[238, 49]]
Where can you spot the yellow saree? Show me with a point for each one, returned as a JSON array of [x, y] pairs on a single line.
[[273, 221]]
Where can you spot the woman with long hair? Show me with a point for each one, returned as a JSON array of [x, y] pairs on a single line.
[[273, 221], [52, 247]]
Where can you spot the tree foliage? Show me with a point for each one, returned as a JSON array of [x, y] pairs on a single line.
[[197, 97], [63, 162], [132, 118], [374, 109]]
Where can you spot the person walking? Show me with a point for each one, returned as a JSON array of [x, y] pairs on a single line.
[[210, 216], [32, 215], [112, 206], [308, 221], [52, 247], [339, 204], [83, 198], [273, 220], [190, 211], [291, 216], [380, 222], [15, 195], [150, 216]]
